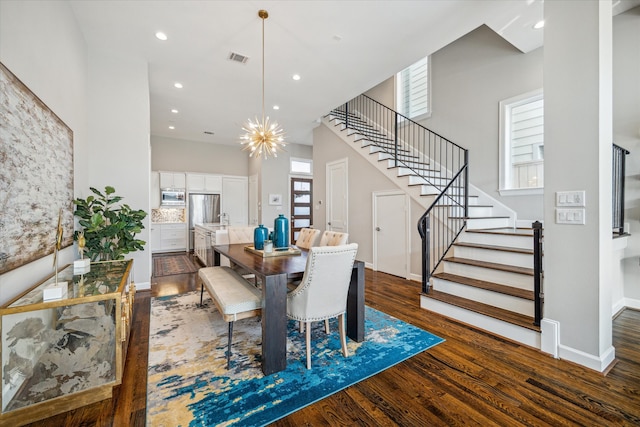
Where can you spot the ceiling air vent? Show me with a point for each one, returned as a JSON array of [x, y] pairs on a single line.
[[238, 58]]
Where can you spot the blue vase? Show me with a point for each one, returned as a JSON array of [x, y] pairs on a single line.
[[281, 232], [260, 234]]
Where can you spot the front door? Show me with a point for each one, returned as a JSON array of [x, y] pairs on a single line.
[[301, 209]]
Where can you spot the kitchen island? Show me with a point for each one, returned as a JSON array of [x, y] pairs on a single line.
[[205, 237]]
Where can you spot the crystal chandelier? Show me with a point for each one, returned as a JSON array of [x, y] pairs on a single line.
[[262, 138]]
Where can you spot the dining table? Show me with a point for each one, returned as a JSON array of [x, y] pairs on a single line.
[[274, 272]]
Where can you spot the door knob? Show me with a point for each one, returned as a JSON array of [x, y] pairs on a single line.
[[377, 228], [329, 223]]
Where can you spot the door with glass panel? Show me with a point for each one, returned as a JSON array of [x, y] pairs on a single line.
[[301, 199]]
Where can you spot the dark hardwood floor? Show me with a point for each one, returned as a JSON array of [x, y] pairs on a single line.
[[473, 378]]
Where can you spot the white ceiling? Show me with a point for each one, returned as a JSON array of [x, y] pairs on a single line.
[[340, 49]]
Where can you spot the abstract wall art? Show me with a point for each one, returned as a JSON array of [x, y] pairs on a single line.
[[36, 175]]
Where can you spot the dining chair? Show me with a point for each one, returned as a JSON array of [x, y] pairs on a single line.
[[333, 238], [307, 238], [242, 235], [322, 294]]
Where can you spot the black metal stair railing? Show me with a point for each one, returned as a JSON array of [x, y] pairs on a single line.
[[438, 163], [618, 171]]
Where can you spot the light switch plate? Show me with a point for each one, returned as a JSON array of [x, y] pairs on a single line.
[[570, 198], [570, 216]]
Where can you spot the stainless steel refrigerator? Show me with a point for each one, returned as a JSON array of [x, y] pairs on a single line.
[[203, 209]]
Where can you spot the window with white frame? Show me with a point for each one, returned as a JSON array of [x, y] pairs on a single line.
[[522, 144], [301, 166], [412, 90]]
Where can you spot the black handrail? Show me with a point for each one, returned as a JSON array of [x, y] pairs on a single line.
[[440, 164], [538, 295], [618, 184], [450, 210]]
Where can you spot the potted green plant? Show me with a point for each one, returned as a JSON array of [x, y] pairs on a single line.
[[109, 228]]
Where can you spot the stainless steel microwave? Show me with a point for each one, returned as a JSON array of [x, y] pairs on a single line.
[[172, 197]]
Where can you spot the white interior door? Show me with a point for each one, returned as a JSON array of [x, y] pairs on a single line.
[[337, 196], [253, 200], [235, 199], [391, 233]]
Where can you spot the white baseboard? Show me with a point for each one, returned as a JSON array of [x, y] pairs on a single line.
[[618, 306], [631, 303], [143, 286], [415, 277], [590, 361], [368, 265], [550, 336]]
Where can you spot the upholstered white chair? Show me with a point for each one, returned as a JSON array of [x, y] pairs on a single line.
[[307, 238], [242, 235], [322, 294], [333, 238]]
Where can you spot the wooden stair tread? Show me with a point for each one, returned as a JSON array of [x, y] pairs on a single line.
[[495, 248], [508, 231], [487, 310], [491, 265], [489, 286]]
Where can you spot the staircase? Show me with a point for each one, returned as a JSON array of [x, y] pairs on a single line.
[[486, 277]]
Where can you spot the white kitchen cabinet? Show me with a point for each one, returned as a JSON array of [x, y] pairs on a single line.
[[169, 237], [213, 183], [156, 236], [204, 182], [155, 190], [235, 199], [172, 180]]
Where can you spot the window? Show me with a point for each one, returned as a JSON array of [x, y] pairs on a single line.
[[522, 144], [301, 166], [412, 90]]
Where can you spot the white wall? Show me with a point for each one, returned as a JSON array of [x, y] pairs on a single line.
[[41, 44], [168, 154], [364, 179], [102, 97], [578, 119], [118, 134]]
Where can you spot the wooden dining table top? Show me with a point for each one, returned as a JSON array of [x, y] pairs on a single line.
[[292, 265]]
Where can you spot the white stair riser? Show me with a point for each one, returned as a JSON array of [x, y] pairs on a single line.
[[372, 148], [390, 156], [416, 180], [522, 281], [495, 299], [474, 211], [491, 255], [391, 163], [484, 223], [516, 333], [522, 242]]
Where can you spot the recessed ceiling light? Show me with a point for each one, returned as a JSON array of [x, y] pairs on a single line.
[[178, 85], [296, 77], [161, 36], [538, 25], [174, 111], [172, 127], [276, 107]]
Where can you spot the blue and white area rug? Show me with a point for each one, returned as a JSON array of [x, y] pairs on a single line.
[[189, 384]]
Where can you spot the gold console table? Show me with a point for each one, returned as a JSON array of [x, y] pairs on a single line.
[[61, 354]]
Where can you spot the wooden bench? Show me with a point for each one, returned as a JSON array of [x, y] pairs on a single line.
[[234, 297]]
